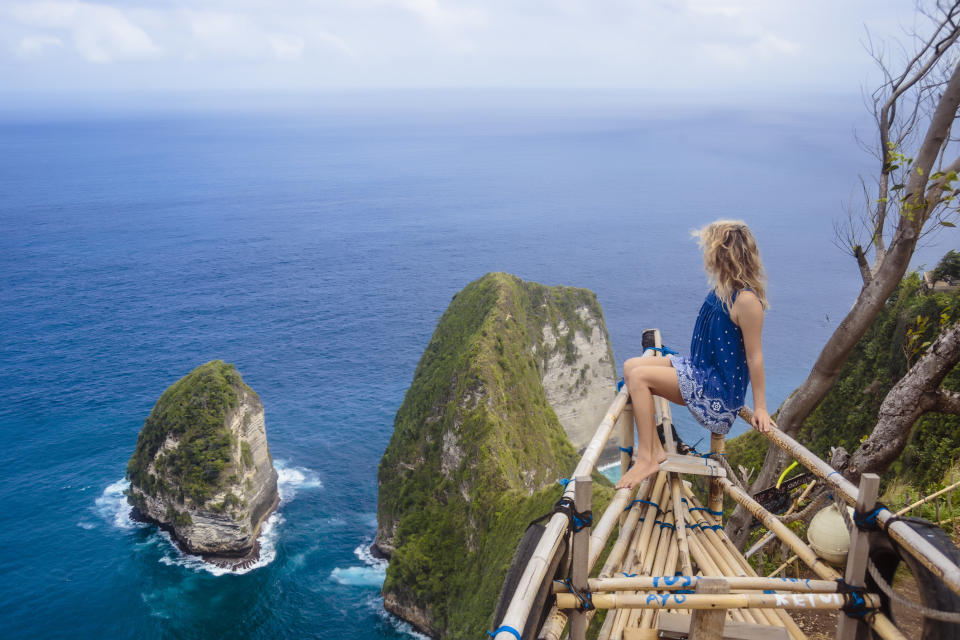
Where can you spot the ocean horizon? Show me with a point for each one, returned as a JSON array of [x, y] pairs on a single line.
[[315, 249]]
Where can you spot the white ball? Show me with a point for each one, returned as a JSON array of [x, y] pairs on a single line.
[[828, 535]]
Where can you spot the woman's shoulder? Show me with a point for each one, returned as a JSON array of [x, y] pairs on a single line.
[[746, 303]]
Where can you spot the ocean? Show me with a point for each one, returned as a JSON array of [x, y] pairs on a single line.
[[315, 249]]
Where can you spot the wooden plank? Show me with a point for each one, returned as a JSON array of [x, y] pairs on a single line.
[[715, 499], [677, 626], [707, 624], [850, 628], [693, 465], [581, 549]]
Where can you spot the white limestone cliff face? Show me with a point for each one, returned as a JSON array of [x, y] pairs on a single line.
[[580, 391], [225, 527]]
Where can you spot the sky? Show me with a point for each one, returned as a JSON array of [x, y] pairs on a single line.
[[703, 47]]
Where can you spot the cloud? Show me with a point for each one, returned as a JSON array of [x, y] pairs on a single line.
[[100, 33], [36, 46]]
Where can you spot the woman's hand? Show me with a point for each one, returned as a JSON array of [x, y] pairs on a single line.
[[762, 421]]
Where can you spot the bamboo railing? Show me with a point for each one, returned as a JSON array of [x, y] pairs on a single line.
[[662, 528]]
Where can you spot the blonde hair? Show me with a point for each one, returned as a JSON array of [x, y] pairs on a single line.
[[732, 260]]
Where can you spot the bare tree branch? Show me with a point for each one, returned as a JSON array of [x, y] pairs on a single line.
[[947, 402]]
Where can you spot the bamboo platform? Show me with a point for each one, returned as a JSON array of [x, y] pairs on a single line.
[[672, 571]]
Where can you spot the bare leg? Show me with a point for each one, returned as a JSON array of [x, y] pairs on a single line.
[[644, 381]]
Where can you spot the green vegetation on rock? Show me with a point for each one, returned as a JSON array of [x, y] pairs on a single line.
[[476, 450], [192, 412]]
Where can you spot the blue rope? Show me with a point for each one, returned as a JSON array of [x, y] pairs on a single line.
[[629, 575], [827, 479], [627, 450], [664, 351], [510, 630], [620, 384], [639, 501], [564, 482], [868, 520]]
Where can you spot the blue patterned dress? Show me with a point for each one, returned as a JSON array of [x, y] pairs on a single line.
[[713, 380]]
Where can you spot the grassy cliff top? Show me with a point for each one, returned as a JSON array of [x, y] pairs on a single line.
[[192, 411], [477, 449]]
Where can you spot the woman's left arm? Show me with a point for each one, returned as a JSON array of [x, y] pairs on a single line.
[[747, 313]]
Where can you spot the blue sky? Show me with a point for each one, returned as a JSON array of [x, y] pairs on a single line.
[[657, 46]]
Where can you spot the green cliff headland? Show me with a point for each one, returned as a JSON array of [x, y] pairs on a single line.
[[477, 447]]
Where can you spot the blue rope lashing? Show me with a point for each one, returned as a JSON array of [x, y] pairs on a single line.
[[620, 384], [668, 525], [582, 520], [664, 351], [684, 591], [827, 479], [564, 482], [867, 521], [639, 501], [629, 575], [508, 629], [627, 450], [854, 604], [585, 598], [769, 591]]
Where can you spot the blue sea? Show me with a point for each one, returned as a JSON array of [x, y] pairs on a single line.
[[315, 248]]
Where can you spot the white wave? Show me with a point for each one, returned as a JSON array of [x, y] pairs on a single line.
[[398, 625], [290, 479], [372, 574], [112, 506], [269, 533], [83, 524], [358, 576], [365, 555]]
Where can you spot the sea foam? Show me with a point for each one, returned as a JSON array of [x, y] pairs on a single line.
[[371, 574], [113, 507]]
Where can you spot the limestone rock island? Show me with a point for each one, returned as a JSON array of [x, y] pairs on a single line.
[[515, 379], [202, 468]]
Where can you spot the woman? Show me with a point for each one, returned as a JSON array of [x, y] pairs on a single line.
[[725, 352]]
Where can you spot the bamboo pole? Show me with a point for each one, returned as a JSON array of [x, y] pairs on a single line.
[[626, 442], [880, 623], [786, 564], [658, 602], [536, 570], [774, 616], [927, 499], [932, 558], [673, 583], [660, 558]]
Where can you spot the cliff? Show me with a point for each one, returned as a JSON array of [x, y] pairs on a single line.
[[202, 467], [477, 446]]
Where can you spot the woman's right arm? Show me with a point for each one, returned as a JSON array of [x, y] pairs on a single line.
[[747, 313]]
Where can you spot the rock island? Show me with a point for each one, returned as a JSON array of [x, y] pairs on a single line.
[[202, 468]]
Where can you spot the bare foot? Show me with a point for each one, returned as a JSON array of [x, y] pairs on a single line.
[[637, 474]]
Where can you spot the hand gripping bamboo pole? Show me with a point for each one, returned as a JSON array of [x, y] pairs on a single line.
[[880, 623], [536, 570], [936, 562]]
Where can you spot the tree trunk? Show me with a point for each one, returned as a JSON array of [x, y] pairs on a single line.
[[917, 206]]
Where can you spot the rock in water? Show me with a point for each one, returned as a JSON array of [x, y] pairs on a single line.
[[477, 447], [202, 467]]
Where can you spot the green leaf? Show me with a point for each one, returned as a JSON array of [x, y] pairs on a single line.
[[947, 223], [897, 187]]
